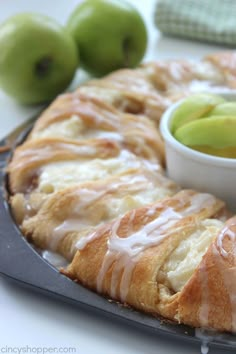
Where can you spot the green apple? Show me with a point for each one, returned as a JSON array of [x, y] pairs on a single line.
[[110, 34], [38, 58], [216, 132], [194, 107], [223, 109]]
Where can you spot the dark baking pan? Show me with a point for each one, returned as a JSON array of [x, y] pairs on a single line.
[[19, 261]]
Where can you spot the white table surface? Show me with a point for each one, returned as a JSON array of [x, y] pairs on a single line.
[[42, 324]]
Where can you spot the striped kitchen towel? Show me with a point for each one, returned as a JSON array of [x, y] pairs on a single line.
[[205, 20]]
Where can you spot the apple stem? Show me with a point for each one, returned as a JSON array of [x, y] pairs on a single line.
[[43, 66], [126, 51]]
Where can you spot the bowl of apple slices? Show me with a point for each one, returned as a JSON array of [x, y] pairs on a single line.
[[200, 140]]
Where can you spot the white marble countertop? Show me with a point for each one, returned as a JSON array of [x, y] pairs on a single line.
[[35, 323]]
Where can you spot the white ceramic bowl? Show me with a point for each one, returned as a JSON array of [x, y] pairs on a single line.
[[196, 170]]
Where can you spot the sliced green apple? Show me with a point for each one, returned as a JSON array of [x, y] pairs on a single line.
[[216, 132], [224, 109], [194, 107]]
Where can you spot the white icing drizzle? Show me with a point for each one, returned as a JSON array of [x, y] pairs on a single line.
[[147, 236], [49, 150], [126, 276], [78, 221], [75, 128], [124, 250], [63, 173], [106, 135], [227, 273], [31, 156], [45, 151], [204, 307], [55, 259], [83, 150], [206, 86], [228, 277], [151, 212], [131, 218], [70, 225], [206, 71], [86, 197], [204, 347], [225, 232], [69, 127], [83, 241], [205, 338], [175, 71], [122, 253], [197, 202]]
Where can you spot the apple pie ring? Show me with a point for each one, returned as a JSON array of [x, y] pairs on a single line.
[[89, 184]]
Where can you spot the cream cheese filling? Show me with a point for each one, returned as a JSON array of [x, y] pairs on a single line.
[[56, 176], [186, 257], [74, 128]]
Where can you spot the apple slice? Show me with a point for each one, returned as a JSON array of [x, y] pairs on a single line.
[[224, 109], [195, 107], [216, 132]]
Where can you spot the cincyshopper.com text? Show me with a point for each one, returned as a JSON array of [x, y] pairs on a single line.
[[37, 350]]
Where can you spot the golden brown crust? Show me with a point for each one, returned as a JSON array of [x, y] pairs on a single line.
[[29, 157], [153, 87], [97, 119], [226, 64], [75, 211], [208, 299], [169, 221], [131, 91]]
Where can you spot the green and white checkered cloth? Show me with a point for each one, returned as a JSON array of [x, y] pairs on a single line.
[[205, 20]]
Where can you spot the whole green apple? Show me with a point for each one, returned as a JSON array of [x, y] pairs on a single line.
[[38, 58], [110, 34]]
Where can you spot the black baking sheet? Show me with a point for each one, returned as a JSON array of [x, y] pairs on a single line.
[[21, 262]]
